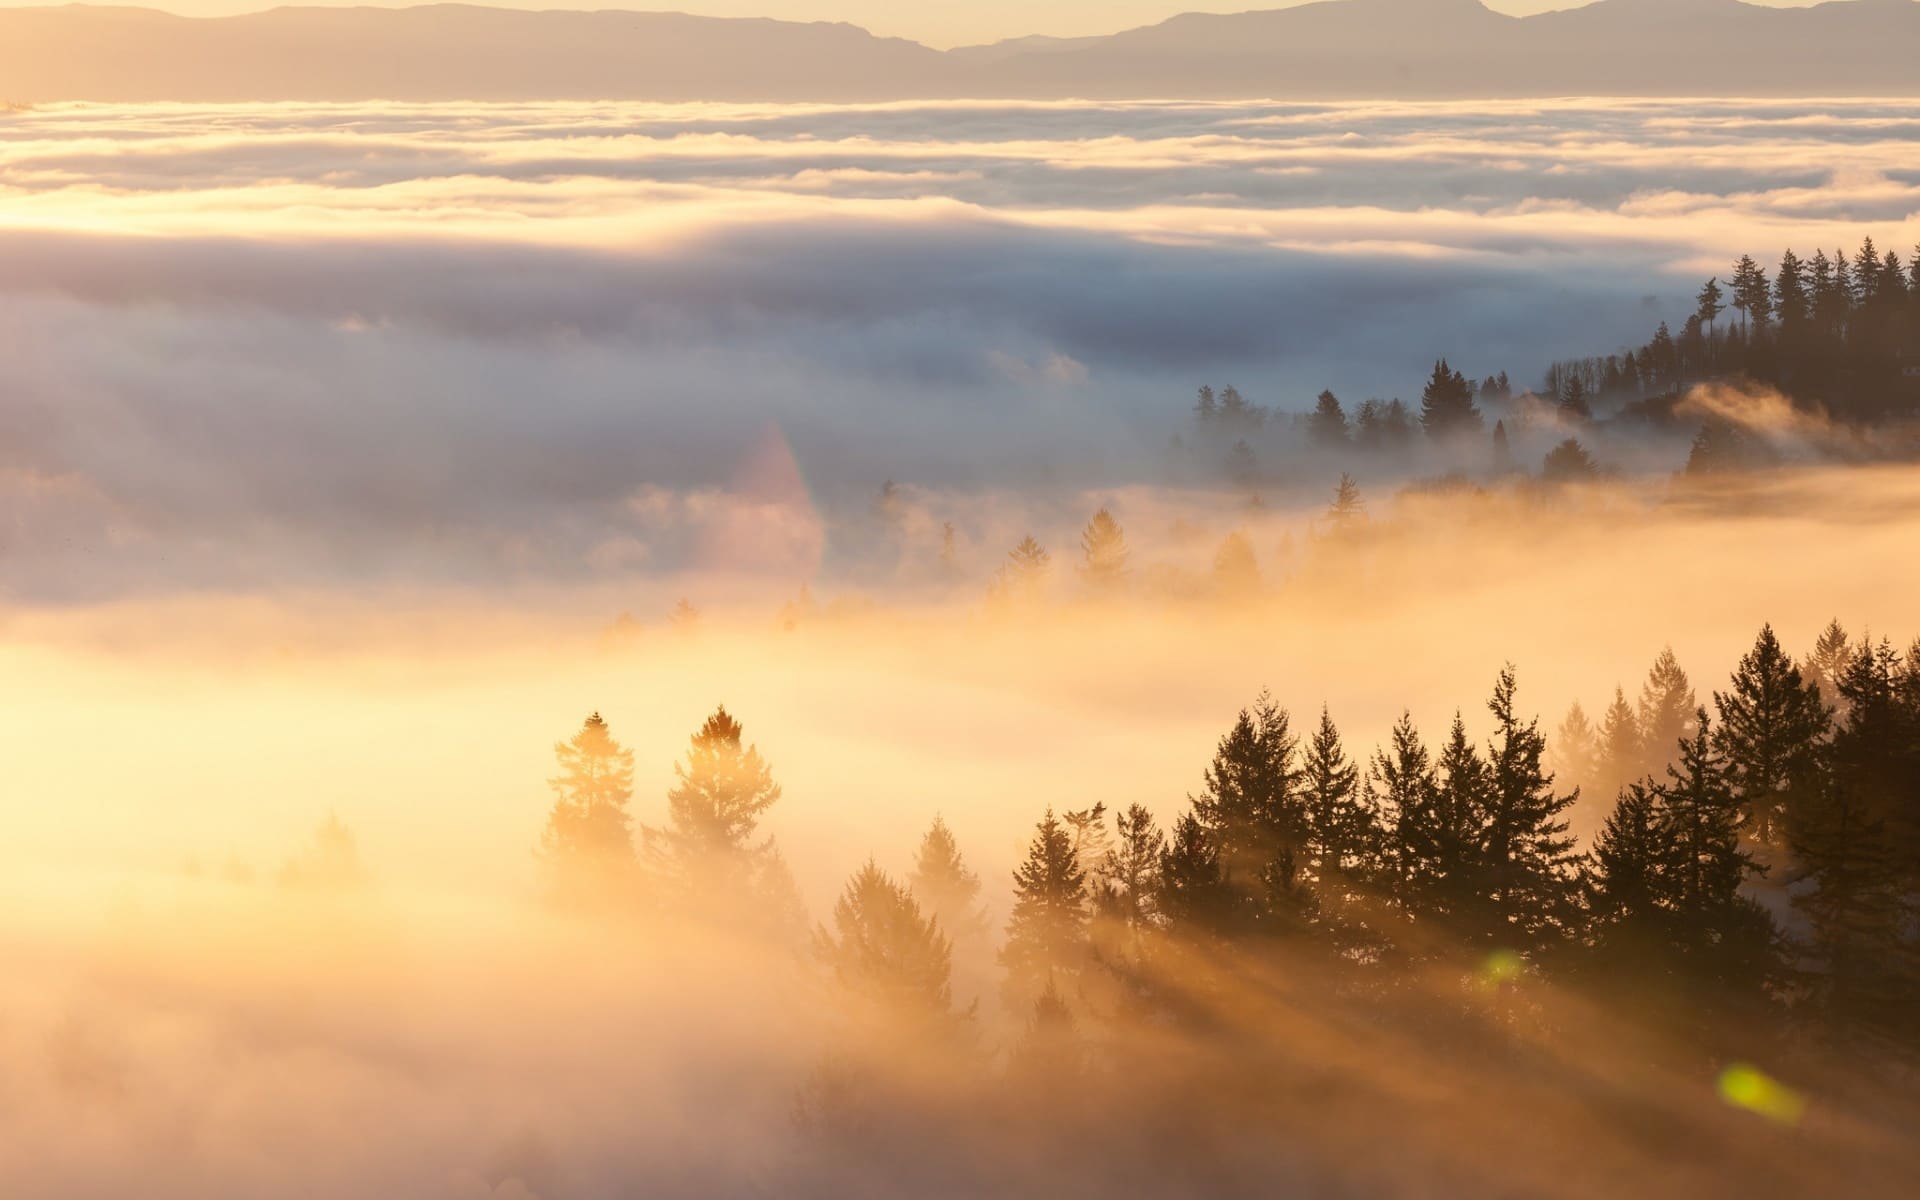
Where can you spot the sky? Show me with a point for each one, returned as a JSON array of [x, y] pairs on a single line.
[[940, 23]]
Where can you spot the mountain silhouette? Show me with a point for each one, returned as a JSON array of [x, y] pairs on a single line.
[[1345, 49]]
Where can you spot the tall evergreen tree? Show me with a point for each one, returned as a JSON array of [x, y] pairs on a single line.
[[1525, 850], [1251, 811], [1446, 404], [1132, 871], [1790, 299], [1622, 748], [1832, 652], [1104, 553], [1725, 939], [1195, 897], [1348, 509], [1328, 424], [1627, 897], [1666, 714], [883, 949], [1771, 727], [1047, 930], [945, 887], [1205, 409], [1343, 833], [1575, 750], [1708, 306], [587, 846], [709, 853]]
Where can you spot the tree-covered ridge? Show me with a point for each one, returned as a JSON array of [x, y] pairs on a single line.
[[1456, 855]]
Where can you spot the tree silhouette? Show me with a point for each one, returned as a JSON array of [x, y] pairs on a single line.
[[1666, 716], [1525, 851], [587, 846], [1446, 404], [1771, 727], [1251, 811], [1328, 424], [707, 853], [1103, 547], [1569, 462], [1047, 930], [1348, 510], [942, 884], [885, 950]]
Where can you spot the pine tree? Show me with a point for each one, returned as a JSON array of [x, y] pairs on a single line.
[[1502, 450], [885, 950], [1790, 299], [708, 852], [1832, 653], [1622, 748], [1436, 820], [587, 846], [1569, 462], [1751, 294], [1707, 306], [1845, 838], [1022, 579], [1771, 727], [1576, 750], [1087, 829], [945, 887], [1667, 707], [1132, 871], [1574, 407], [1328, 424], [1204, 407], [1251, 811], [1047, 930], [1724, 940], [1348, 510], [1525, 850], [1195, 897], [1627, 888], [1446, 404], [1343, 830], [1103, 547]]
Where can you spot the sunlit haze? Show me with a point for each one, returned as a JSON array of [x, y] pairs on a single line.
[[598, 608]]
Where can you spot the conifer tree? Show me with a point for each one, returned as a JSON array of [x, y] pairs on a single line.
[[708, 852], [1437, 827], [1132, 871], [1348, 510], [1725, 940], [1525, 851], [1771, 727], [1087, 829], [1023, 577], [1047, 930], [1575, 750], [1574, 406], [1569, 462], [1446, 404], [1328, 424], [1103, 547], [1343, 831], [1251, 811], [587, 846], [1627, 896], [1195, 897], [1832, 652], [1666, 714], [1502, 450], [1790, 299], [1622, 748], [1205, 409], [885, 950], [1707, 306], [945, 887]]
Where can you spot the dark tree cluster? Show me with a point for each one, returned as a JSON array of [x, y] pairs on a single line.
[[1841, 332]]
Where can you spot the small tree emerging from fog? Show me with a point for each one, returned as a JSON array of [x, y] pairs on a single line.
[[1103, 547], [945, 886], [1569, 462], [884, 949]]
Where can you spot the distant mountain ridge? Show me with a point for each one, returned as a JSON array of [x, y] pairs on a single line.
[[1388, 49]]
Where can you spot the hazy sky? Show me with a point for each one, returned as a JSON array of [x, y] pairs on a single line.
[[935, 22]]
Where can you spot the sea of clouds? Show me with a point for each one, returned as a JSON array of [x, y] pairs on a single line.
[[320, 345]]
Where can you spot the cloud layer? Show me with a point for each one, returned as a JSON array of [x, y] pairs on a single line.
[[252, 346]]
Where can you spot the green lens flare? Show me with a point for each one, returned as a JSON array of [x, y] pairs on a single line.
[[1746, 1086]]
